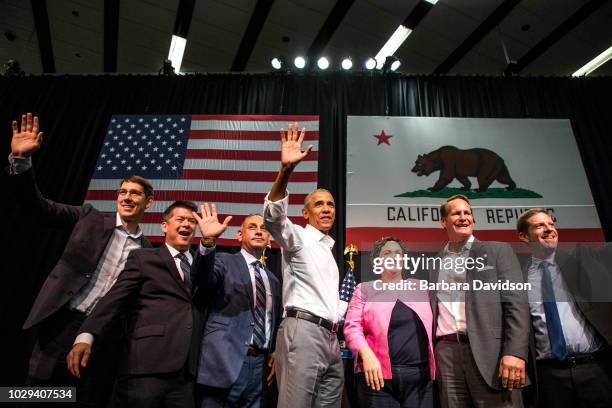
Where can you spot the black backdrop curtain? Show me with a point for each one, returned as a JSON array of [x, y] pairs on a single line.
[[75, 111]]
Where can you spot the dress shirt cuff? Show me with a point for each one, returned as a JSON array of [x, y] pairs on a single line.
[[84, 338], [275, 210], [206, 250], [342, 307], [19, 165]]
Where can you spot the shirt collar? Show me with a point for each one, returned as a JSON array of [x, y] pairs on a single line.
[[319, 236], [174, 252], [248, 257], [466, 247], [119, 225], [537, 261]]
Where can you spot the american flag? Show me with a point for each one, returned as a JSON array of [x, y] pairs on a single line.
[[230, 160]]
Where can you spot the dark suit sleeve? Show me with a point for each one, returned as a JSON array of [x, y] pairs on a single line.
[[118, 299], [517, 318], [210, 271], [26, 193]]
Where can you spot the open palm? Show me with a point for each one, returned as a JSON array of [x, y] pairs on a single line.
[[291, 145], [27, 139], [209, 224]]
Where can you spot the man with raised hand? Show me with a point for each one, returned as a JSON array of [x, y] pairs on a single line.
[[158, 291], [239, 337], [308, 365], [93, 258], [570, 316]]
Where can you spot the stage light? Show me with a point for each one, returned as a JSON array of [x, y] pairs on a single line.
[[277, 63], [392, 63], [370, 64], [323, 63], [392, 44], [595, 63], [177, 49], [347, 63], [299, 62]]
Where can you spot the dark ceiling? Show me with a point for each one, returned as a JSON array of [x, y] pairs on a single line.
[[542, 37]]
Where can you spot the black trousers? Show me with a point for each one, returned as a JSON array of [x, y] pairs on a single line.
[[48, 367], [409, 387], [584, 385], [170, 390]]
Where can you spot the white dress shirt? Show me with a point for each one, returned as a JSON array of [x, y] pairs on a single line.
[[451, 303], [264, 275], [310, 272]]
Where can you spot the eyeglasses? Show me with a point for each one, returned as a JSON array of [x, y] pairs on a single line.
[[122, 192]]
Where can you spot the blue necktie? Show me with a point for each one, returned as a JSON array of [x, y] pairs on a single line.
[[185, 267], [259, 310], [553, 322]]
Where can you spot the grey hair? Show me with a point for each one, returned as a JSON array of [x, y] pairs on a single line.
[[318, 190]]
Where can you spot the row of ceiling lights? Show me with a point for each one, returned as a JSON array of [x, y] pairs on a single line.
[[390, 64]]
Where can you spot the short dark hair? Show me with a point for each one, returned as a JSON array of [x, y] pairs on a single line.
[[522, 224], [318, 190], [146, 186], [378, 245], [189, 205], [443, 207]]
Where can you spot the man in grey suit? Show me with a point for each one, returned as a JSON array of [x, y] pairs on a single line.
[[481, 335]]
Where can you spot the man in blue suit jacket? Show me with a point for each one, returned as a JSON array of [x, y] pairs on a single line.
[[240, 332]]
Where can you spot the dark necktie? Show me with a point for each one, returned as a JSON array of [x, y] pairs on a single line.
[[185, 267], [259, 311], [553, 322]]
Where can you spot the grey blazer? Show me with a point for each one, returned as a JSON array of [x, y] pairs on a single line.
[[498, 322]]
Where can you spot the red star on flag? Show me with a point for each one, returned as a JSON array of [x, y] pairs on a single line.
[[383, 138]]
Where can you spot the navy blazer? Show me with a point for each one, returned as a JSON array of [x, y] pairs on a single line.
[[230, 324]]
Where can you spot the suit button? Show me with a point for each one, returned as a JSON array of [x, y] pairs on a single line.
[[88, 275], [189, 326], [246, 343], [252, 323], [70, 293]]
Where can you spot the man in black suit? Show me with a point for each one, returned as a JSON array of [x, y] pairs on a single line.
[[570, 315], [93, 257], [157, 290], [245, 308]]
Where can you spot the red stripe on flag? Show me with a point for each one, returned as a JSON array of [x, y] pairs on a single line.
[[236, 221], [231, 175], [240, 155], [258, 118], [361, 235], [199, 196], [246, 135]]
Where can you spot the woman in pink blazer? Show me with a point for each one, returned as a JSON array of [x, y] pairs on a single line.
[[388, 328]]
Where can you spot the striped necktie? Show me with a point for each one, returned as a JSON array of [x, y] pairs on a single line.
[[259, 309], [185, 267]]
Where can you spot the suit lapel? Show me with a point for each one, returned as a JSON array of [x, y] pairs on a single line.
[[165, 254], [102, 231], [245, 276]]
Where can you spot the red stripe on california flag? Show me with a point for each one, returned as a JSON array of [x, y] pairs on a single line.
[[361, 235], [199, 196], [240, 155], [236, 221], [258, 118], [245, 135], [231, 175]]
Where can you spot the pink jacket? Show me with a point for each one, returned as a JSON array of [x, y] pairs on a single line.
[[368, 317]]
